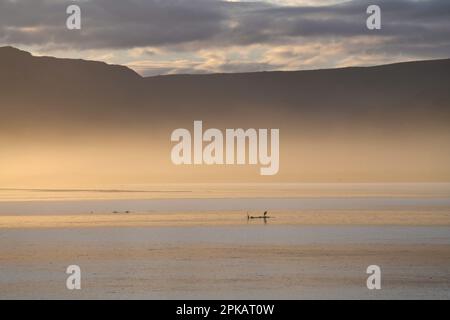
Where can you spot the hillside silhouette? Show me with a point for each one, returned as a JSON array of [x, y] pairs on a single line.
[[386, 121]]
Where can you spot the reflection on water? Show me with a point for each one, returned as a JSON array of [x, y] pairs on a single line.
[[244, 204], [273, 190], [237, 235]]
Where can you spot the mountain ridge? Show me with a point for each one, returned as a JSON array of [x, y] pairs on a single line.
[[63, 117], [13, 50], [95, 92]]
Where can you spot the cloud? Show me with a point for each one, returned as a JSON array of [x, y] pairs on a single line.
[[140, 23], [316, 54], [146, 30]]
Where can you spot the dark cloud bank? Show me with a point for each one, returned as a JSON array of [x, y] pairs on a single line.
[[412, 27]]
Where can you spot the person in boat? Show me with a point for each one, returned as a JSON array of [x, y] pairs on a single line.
[[265, 216]]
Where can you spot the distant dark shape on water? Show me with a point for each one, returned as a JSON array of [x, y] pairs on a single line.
[[263, 217]]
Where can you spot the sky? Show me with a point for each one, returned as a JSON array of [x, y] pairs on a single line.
[[208, 36]]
